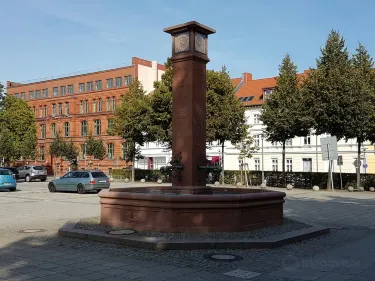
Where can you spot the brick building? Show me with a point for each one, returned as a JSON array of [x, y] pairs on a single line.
[[81, 104]]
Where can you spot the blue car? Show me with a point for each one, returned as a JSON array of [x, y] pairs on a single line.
[[7, 180]]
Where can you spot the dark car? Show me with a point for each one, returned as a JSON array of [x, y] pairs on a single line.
[[14, 171]]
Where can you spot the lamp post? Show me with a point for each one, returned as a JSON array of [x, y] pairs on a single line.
[[262, 135]]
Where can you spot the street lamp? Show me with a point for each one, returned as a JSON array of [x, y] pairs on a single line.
[[262, 135]]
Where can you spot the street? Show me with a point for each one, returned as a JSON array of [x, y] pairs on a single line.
[[44, 256]]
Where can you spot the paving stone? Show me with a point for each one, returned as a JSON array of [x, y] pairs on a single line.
[[305, 274], [335, 277], [354, 268], [369, 272], [47, 265]]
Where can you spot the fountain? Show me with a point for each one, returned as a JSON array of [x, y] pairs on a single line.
[[189, 205]]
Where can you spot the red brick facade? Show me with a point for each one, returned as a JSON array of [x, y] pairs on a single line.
[[76, 106]]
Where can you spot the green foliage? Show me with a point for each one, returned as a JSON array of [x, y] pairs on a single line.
[[61, 148], [2, 95], [284, 112], [246, 147], [71, 152], [161, 108], [95, 148], [57, 147], [225, 114], [18, 129], [132, 151], [328, 90]]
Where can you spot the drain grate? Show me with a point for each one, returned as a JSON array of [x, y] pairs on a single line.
[[31, 230], [122, 232], [242, 274], [222, 257]]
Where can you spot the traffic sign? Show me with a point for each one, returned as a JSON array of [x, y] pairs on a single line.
[[365, 166], [339, 160], [329, 148]]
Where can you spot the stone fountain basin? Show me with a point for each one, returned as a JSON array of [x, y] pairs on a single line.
[[198, 209]]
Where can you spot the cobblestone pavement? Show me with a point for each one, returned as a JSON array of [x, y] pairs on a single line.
[[348, 253]]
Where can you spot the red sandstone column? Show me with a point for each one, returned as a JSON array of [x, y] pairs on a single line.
[[189, 59]]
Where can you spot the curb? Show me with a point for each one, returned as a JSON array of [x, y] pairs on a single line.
[[154, 243]]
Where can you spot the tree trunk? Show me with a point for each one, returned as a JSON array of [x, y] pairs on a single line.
[[133, 171], [359, 163], [222, 162], [283, 165]]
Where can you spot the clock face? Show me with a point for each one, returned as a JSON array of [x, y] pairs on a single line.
[[181, 42], [200, 42]]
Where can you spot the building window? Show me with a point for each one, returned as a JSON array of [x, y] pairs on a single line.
[[60, 109], [81, 87], [267, 94], [70, 89], [41, 153], [128, 80], [35, 111], [97, 127], [98, 85], [289, 142], [87, 106], [43, 131], [44, 111], [81, 106], [289, 165], [124, 150], [257, 140], [66, 129], [31, 95], [113, 103], [110, 83], [275, 165], [55, 91], [307, 140], [94, 106], [256, 118], [83, 151], [45, 93], [108, 104], [66, 108], [257, 164], [37, 94], [118, 81], [62, 90], [110, 150], [40, 111], [307, 165], [53, 129], [90, 86], [84, 128], [16, 95], [111, 123], [100, 105], [23, 96]]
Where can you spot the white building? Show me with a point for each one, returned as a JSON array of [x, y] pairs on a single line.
[[303, 154]]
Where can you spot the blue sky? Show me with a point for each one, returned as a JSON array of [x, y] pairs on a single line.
[[41, 38]]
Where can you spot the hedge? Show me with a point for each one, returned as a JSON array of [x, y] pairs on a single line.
[[297, 179]]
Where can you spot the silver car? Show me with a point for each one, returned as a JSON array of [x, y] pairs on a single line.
[[80, 181], [29, 173]]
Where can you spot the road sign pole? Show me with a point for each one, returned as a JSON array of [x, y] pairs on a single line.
[[340, 177], [330, 176]]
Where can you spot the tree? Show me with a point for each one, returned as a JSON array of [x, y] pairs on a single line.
[[283, 111], [161, 108], [131, 120], [6, 144], [18, 126], [246, 148], [61, 148], [95, 148], [328, 91], [71, 153], [2, 95], [361, 121], [225, 114]]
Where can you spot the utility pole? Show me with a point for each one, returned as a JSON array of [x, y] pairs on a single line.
[[262, 161]]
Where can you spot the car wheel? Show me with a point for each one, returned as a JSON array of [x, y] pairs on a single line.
[[81, 189], [98, 190], [51, 187], [12, 189], [43, 180], [27, 178]]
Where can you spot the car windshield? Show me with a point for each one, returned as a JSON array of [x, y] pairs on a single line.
[[5, 172], [38, 168], [98, 175]]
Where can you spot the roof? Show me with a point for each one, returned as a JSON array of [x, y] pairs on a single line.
[[251, 91]]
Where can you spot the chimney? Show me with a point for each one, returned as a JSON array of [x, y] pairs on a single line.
[[247, 77], [154, 67]]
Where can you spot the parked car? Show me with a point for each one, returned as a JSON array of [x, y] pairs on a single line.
[[7, 180], [14, 171], [81, 181], [30, 173]]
